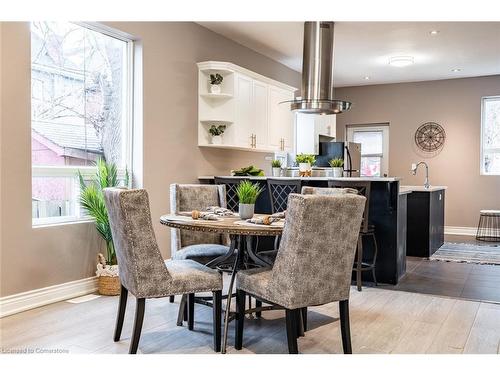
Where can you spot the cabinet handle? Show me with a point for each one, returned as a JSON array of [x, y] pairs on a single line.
[[255, 141]]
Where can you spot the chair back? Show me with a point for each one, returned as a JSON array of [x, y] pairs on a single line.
[[279, 190], [231, 184], [189, 197], [310, 190], [363, 188], [142, 269], [316, 253]]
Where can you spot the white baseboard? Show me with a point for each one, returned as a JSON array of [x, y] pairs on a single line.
[[461, 231], [39, 297]]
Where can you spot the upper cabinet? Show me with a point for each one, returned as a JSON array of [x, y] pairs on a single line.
[[247, 105], [312, 129]]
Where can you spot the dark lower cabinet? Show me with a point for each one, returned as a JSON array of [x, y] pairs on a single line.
[[425, 232]]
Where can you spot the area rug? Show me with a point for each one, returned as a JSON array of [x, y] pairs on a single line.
[[468, 253]]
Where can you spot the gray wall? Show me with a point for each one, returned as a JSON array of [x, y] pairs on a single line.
[[35, 258], [456, 105]]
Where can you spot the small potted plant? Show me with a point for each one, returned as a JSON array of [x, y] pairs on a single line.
[[247, 193], [92, 200], [216, 133], [215, 81], [305, 162], [337, 165], [276, 165]]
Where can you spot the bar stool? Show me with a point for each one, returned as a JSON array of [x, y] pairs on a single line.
[[488, 228], [279, 190], [366, 230], [232, 202]]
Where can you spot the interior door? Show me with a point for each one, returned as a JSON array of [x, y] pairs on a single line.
[[244, 112], [260, 123]]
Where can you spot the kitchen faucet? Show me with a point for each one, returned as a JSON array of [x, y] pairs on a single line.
[[414, 172]]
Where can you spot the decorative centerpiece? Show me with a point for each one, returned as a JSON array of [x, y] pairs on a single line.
[[276, 166], [215, 82], [92, 200], [248, 171], [216, 133], [247, 193], [337, 167], [305, 162]]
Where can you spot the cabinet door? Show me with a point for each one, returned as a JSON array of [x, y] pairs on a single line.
[[280, 120], [260, 117], [244, 111]]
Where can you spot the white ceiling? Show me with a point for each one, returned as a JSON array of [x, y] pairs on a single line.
[[364, 48]]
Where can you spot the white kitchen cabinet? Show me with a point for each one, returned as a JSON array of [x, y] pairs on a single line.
[[311, 129], [249, 107], [280, 120]]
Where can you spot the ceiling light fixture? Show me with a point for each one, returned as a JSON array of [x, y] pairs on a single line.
[[434, 32], [401, 61], [456, 70], [367, 78]]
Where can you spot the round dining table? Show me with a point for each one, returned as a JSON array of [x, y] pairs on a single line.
[[240, 233]]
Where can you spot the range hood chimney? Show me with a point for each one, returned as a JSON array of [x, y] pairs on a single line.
[[317, 72]]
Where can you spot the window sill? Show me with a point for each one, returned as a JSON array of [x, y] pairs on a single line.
[[53, 222]]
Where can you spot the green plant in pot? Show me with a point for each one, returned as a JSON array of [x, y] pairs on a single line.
[[247, 193], [305, 162], [92, 200], [215, 82], [216, 132], [276, 167], [337, 165]]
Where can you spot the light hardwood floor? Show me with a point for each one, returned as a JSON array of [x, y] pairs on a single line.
[[382, 321]]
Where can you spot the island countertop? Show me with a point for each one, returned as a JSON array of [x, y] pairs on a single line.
[[375, 179]]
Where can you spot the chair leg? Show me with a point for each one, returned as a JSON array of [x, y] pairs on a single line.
[[240, 318], [172, 299], [375, 251], [190, 309], [258, 304], [182, 315], [291, 331], [139, 317], [345, 327], [121, 313], [304, 318], [299, 323], [217, 315], [359, 263]]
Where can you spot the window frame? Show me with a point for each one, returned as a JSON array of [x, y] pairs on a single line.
[[128, 124], [384, 128], [482, 172]]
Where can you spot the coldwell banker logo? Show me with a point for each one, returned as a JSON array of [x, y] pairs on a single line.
[[34, 351]]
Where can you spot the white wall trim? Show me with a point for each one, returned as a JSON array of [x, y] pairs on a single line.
[[40, 297], [460, 231]]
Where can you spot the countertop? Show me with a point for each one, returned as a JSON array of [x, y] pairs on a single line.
[[408, 189], [376, 179]]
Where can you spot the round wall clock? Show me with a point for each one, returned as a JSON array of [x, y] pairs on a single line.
[[430, 137]]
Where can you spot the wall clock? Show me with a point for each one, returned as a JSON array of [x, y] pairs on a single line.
[[430, 137]]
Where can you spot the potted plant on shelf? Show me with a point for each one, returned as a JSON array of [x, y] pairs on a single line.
[[337, 165], [92, 200], [305, 162], [216, 133], [247, 193], [276, 165], [215, 81]]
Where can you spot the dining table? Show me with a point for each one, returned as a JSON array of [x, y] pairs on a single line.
[[241, 245]]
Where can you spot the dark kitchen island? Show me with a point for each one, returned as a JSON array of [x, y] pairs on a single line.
[[387, 213]]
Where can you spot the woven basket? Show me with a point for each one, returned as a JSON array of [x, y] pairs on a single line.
[[109, 285]]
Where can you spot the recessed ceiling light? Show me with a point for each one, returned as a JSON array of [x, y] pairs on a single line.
[[367, 77], [456, 70], [434, 32], [401, 61]]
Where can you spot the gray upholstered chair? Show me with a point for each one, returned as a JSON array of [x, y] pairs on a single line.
[[313, 265], [310, 190], [144, 273]]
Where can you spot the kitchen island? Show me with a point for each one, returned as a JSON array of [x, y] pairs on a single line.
[[387, 214]]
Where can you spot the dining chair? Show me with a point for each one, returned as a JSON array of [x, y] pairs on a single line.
[[313, 266], [142, 269], [366, 230]]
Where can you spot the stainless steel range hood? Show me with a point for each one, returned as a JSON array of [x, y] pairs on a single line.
[[317, 72]]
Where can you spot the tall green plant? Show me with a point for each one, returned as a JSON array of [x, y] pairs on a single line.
[[248, 192], [92, 200]]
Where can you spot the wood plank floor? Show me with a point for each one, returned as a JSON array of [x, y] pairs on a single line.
[[382, 321]]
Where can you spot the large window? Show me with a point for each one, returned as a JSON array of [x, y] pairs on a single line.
[[80, 111], [374, 141], [490, 136]]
